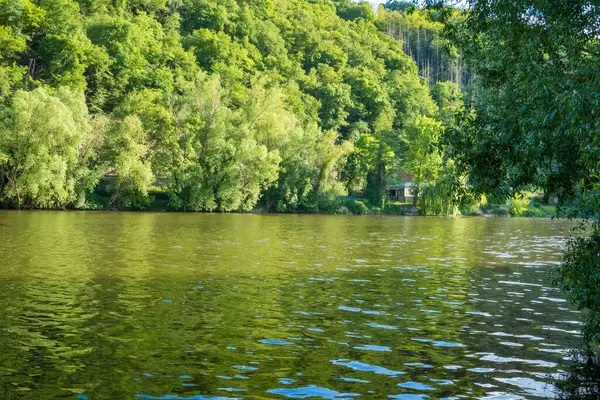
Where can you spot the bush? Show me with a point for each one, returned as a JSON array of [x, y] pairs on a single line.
[[534, 212], [437, 200], [572, 211], [471, 205], [94, 201], [396, 208], [357, 207], [499, 211], [518, 205], [579, 280], [137, 201], [468, 208], [329, 205]]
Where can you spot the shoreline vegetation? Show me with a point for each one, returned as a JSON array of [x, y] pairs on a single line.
[[357, 206]]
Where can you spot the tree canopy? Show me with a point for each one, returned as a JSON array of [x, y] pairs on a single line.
[[219, 105]]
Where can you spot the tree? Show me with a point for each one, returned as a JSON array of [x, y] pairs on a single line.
[[286, 90], [10, 72], [399, 5], [535, 93], [420, 31], [41, 142], [128, 162], [422, 158], [449, 99], [223, 165], [327, 85], [350, 10], [152, 108]]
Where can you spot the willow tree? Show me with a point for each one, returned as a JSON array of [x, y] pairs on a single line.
[[127, 143], [422, 157], [42, 141], [222, 165]]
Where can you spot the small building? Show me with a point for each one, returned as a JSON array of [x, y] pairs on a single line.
[[400, 187], [402, 192]]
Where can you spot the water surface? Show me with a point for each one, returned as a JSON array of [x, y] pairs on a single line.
[[199, 306]]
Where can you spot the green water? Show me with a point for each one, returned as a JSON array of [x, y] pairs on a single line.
[[200, 306]]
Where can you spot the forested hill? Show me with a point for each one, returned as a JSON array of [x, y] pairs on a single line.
[[225, 103]]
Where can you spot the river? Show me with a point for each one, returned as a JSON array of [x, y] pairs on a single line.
[[102, 305]]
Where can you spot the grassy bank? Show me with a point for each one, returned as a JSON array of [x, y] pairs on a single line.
[[159, 201]]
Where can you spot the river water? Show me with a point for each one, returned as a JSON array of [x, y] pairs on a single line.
[[201, 306]]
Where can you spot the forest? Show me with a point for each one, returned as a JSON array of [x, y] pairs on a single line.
[[278, 105]]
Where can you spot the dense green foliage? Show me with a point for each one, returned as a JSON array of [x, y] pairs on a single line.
[[536, 96], [578, 278], [45, 141], [219, 105]]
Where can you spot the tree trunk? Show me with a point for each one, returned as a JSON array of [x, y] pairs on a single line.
[[376, 187]]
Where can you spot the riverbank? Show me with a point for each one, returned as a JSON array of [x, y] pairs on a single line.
[[340, 206]]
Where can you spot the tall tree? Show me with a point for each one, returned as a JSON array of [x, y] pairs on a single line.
[[42, 137]]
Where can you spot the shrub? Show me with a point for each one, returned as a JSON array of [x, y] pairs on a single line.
[[579, 280], [137, 202], [471, 205], [518, 205], [469, 208], [357, 207], [396, 208], [534, 212], [499, 211], [437, 200], [329, 205], [95, 201]]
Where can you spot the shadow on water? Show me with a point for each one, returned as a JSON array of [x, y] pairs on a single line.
[[581, 378]]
